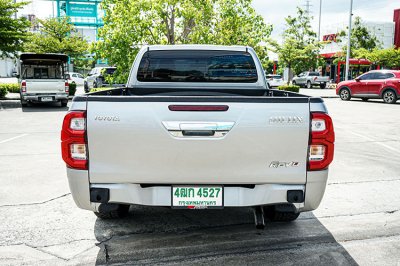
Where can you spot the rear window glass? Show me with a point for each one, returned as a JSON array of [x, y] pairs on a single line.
[[197, 66], [313, 74], [109, 71]]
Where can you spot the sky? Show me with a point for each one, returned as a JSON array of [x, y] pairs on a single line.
[[275, 11]]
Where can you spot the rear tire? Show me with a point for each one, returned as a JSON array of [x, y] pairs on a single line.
[[309, 86], [274, 215], [120, 212], [24, 103], [389, 96], [64, 103], [294, 83], [345, 94], [322, 85], [364, 99], [85, 87]]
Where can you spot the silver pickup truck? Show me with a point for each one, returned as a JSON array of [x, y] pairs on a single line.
[[310, 79], [196, 127], [42, 78]]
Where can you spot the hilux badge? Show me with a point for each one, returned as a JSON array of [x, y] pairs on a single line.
[[277, 164]]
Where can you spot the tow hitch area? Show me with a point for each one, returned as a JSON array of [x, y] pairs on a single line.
[[259, 217]]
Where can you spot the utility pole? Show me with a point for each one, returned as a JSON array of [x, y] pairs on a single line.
[[319, 23], [308, 7], [349, 42]]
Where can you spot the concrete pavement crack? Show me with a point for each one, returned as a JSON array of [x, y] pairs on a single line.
[[366, 181], [46, 252], [35, 203], [350, 215]]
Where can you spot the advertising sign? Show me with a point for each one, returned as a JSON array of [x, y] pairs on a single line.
[[82, 10]]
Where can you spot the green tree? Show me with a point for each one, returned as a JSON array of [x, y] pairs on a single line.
[[57, 36], [362, 41], [300, 48], [386, 58], [131, 24], [13, 32]]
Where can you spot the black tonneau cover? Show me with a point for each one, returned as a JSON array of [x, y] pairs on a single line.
[[48, 58]]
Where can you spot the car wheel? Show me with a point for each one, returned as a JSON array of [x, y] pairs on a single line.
[[294, 83], [85, 87], [345, 94], [389, 96], [274, 215], [24, 103], [364, 99], [120, 211], [322, 85], [94, 85], [64, 103], [309, 85]]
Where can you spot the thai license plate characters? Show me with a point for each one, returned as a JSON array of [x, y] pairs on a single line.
[[197, 197]]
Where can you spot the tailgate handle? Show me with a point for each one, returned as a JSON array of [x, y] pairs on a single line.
[[198, 133], [187, 129]]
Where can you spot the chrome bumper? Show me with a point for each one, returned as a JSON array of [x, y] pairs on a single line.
[[37, 97]]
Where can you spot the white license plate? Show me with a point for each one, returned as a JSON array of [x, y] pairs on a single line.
[[46, 99], [197, 197]]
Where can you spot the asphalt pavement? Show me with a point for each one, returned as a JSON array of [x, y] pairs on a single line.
[[358, 221]]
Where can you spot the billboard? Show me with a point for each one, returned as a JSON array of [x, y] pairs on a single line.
[[82, 10]]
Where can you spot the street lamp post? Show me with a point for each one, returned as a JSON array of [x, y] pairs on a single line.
[[319, 23], [349, 42]]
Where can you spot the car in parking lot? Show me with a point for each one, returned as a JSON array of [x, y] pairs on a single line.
[[310, 79], [374, 84], [74, 77], [97, 77], [274, 80]]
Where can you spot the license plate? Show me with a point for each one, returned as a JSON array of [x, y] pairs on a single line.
[[47, 99], [197, 197]]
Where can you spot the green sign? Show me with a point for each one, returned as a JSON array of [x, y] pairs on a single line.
[[82, 10]]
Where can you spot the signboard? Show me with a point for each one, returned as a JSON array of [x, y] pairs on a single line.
[[329, 38], [82, 10]]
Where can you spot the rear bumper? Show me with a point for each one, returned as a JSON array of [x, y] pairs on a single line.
[[262, 194], [36, 97]]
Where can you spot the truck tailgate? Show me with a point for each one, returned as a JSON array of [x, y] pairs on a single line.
[[45, 85], [140, 140]]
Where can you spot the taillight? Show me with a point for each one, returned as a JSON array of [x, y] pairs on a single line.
[[315, 78], [66, 86], [73, 140], [23, 86], [322, 138]]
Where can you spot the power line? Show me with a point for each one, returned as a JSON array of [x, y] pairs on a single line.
[[308, 6]]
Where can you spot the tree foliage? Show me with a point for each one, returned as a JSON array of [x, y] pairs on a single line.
[[386, 58], [13, 32], [131, 24], [57, 36], [300, 48]]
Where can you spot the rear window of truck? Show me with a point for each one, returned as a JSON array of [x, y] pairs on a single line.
[[197, 66]]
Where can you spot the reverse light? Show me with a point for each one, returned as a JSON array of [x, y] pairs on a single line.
[[77, 123], [23, 86], [318, 125], [73, 140], [322, 138]]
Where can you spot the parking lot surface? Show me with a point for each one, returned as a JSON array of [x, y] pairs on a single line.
[[358, 221]]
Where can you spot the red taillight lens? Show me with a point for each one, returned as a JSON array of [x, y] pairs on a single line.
[[66, 86], [23, 86], [73, 140], [322, 140], [315, 78]]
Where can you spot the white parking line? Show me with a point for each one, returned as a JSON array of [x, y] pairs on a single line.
[[375, 141], [10, 139]]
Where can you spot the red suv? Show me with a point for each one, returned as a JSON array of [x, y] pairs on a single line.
[[374, 84]]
